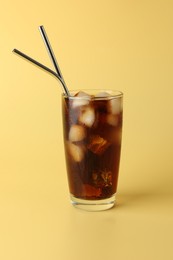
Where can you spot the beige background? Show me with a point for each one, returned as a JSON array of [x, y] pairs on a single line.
[[125, 45]]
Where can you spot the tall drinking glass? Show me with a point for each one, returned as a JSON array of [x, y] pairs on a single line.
[[92, 122]]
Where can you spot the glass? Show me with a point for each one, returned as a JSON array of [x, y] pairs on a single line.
[[92, 122]]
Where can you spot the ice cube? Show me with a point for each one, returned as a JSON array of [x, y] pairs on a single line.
[[76, 151], [118, 136], [102, 94], [82, 94], [107, 178], [81, 99], [97, 144], [87, 116], [102, 178], [112, 119], [90, 191], [115, 106], [115, 136], [77, 133]]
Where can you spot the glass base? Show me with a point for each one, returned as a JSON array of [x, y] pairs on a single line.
[[93, 205]]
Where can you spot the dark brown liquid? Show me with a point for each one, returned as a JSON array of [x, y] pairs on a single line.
[[93, 154]]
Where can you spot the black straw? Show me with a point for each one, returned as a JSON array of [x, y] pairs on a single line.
[[42, 67], [52, 56]]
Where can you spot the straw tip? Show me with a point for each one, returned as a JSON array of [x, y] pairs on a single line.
[[41, 26]]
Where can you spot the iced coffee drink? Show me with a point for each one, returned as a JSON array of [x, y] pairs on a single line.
[[92, 122]]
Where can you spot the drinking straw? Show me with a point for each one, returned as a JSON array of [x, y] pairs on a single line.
[[42, 67], [52, 55]]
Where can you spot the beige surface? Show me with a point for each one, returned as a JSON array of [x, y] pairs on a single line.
[[125, 45]]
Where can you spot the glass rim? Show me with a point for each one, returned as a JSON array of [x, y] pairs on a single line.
[[112, 94]]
